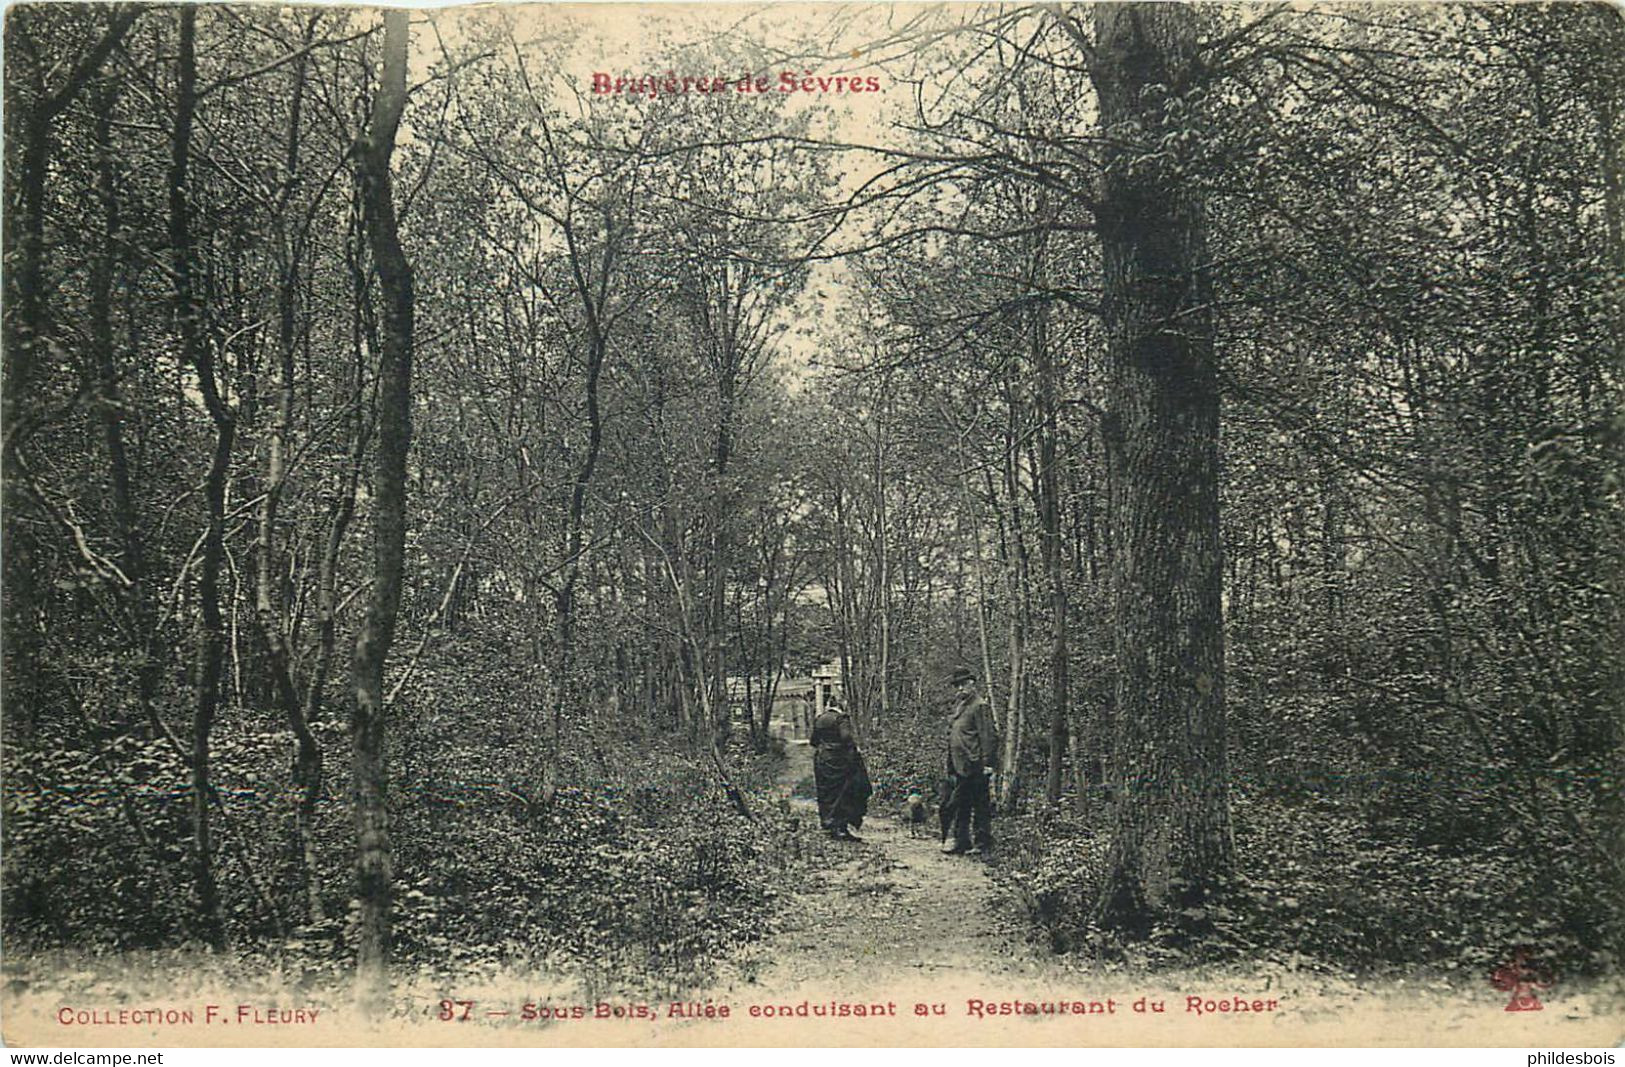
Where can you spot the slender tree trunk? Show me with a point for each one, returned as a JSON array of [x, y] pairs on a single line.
[[25, 327], [29, 141], [309, 768], [210, 652], [1014, 572], [1054, 559], [716, 618], [565, 602], [882, 555], [367, 721], [1172, 844], [139, 606], [695, 644], [270, 608], [972, 516]]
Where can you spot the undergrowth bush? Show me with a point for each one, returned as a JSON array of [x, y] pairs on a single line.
[[908, 754], [1056, 863], [94, 845], [1314, 884], [583, 880], [639, 864]]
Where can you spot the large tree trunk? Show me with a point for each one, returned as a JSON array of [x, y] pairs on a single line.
[[1171, 843], [1610, 92], [373, 861]]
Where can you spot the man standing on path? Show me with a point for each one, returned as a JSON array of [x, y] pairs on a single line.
[[973, 752]]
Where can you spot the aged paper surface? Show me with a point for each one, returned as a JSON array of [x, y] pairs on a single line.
[[889, 942]]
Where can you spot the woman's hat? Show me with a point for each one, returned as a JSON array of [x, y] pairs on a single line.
[[961, 674]]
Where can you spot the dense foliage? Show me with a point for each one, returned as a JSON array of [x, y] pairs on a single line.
[[705, 393], [1415, 226]]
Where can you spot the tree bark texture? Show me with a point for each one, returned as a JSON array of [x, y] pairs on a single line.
[[30, 136], [394, 427], [211, 636], [1171, 842]]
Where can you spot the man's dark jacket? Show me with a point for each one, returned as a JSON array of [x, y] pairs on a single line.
[[972, 742]]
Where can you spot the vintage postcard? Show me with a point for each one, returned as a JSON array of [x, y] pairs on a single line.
[[842, 524]]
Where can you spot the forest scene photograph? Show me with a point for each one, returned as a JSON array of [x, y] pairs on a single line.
[[889, 524]]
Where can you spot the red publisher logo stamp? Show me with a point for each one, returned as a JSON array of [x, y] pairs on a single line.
[[1520, 977]]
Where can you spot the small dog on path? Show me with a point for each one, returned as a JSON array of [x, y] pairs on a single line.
[[913, 815]]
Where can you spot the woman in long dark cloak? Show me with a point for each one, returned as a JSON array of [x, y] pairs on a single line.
[[839, 771]]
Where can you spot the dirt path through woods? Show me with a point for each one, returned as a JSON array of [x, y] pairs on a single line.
[[938, 953], [891, 907]]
